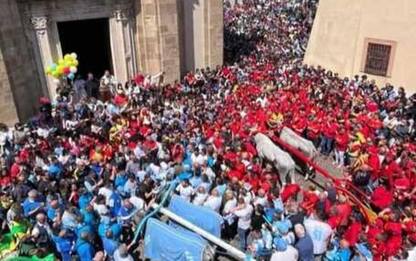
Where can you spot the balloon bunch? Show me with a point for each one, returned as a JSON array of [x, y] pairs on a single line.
[[65, 67]]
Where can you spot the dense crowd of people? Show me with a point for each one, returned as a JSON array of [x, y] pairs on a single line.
[[78, 177]]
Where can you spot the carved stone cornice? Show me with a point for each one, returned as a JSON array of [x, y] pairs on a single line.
[[40, 24], [122, 14]]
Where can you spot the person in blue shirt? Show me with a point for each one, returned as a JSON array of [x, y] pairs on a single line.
[[210, 160], [115, 203], [54, 208], [96, 168], [64, 244], [107, 224], [31, 206], [83, 227], [126, 211], [110, 245], [221, 186], [88, 215], [196, 179], [304, 245], [362, 252], [55, 169], [120, 181], [340, 251], [84, 248], [85, 198], [69, 218]]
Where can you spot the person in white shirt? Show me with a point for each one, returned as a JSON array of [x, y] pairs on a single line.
[[200, 196], [214, 201], [185, 190], [230, 220], [99, 206], [243, 211], [198, 158], [122, 254], [246, 195], [319, 231], [131, 185], [137, 201], [284, 251], [106, 191], [412, 254], [138, 151], [261, 198]]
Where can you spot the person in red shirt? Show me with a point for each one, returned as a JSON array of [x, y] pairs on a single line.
[[310, 199], [329, 132], [313, 130], [299, 125], [15, 168], [393, 228], [341, 145], [251, 179], [340, 213], [390, 170], [352, 234], [373, 160], [120, 99], [5, 179], [289, 191], [381, 198]]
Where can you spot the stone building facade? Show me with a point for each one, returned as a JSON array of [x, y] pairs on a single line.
[[146, 36], [376, 38]]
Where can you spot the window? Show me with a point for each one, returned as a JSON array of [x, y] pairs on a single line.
[[378, 57]]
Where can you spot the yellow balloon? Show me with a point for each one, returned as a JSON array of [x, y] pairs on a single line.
[[67, 57], [61, 61], [60, 69], [75, 63], [55, 74]]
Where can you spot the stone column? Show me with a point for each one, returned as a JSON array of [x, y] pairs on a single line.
[[130, 44], [214, 32], [40, 25], [201, 33], [117, 46], [122, 45], [158, 38]]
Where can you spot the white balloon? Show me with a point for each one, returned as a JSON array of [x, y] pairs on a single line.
[[73, 69], [74, 55]]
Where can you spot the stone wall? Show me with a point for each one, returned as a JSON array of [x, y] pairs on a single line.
[[20, 87], [8, 113], [343, 28]]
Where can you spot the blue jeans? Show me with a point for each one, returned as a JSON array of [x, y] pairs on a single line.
[[242, 234], [326, 145]]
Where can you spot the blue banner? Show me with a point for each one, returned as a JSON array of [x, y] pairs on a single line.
[[164, 242], [202, 217]]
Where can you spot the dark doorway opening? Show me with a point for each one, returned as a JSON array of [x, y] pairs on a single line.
[[90, 40]]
